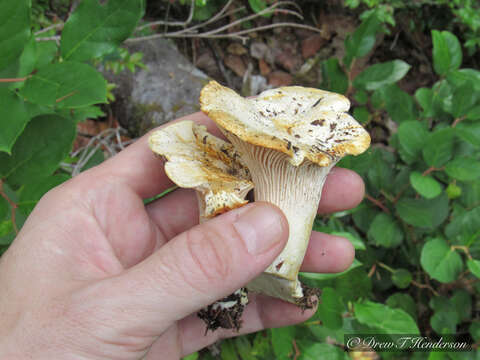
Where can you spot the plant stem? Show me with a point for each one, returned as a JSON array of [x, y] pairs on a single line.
[[12, 80], [12, 205], [378, 203]]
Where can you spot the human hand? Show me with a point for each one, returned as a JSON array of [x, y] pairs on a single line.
[[95, 274]]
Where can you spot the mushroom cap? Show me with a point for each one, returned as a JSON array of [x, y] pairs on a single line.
[[197, 159], [300, 122]]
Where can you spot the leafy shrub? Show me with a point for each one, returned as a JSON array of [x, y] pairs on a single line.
[[416, 234]]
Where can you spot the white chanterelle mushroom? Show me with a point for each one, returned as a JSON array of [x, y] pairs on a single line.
[[290, 138], [199, 160]]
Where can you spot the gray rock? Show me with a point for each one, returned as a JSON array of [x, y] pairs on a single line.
[[168, 89]]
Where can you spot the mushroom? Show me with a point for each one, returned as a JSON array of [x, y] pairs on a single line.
[[199, 160], [290, 138]]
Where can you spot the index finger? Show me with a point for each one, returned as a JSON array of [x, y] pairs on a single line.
[[139, 168]]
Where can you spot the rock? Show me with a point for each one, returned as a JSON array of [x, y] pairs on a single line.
[[312, 44], [280, 78], [236, 49], [236, 64], [264, 68], [167, 89], [260, 50]]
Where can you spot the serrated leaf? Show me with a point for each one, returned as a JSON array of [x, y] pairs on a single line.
[[228, 351], [13, 119], [423, 213], [33, 191], [385, 320], [385, 231], [66, 85], [362, 40], [404, 302], [447, 52], [474, 267], [411, 135], [315, 351], [424, 97], [43, 144], [330, 309], [378, 75], [426, 185], [438, 148], [4, 208], [402, 278], [399, 105], [464, 224], [282, 342], [440, 261], [463, 168], [334, 78], [14, 30], [463, 99], [94, 29]]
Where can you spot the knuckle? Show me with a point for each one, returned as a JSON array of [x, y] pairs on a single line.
[[209, 253]]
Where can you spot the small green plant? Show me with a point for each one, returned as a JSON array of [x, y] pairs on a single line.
[[46, 87]]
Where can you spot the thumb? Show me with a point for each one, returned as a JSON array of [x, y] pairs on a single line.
[[199, 266]]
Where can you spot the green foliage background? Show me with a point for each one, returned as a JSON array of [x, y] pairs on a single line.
[[417, 234]]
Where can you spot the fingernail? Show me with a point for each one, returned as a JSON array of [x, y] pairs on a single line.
[[260, 227]]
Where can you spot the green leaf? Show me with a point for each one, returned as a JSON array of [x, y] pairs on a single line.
[[474, 267], [378, 75], [14, 30], [244, 348], [404, 302], [94, 30], [426, 185], [464, 224], [330, 309], [228, 351], [46, 52], [13, 119], [462, 301], [193, 356], [362, 40], [425, 98], [469, 132], [438, 148], [320, 277], [411, 135], [385, 231], [282, 342], [463, 169], [6, 228], [440, 261], [334, 78], [4, 208], [402, 278], [385, 320], [66, 85], [444, 322], [33, 191], [356, 242], [463, 100], [447, 52], [399, 105], [361, 114], [475, 330], [259, 5], [459, 77], [315, 351], [43, 144], [423, 213], [28, 59]]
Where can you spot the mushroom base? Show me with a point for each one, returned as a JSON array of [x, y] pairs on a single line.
[[225, 313]]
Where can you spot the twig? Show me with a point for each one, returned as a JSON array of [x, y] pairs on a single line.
[[424, 286], [297, 351], [457, 121], [13, 80], [464, 249], [170, 23], [48, 28], [221, 32], [377, 203]]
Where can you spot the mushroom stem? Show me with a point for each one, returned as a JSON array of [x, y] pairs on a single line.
[[296, 190]]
